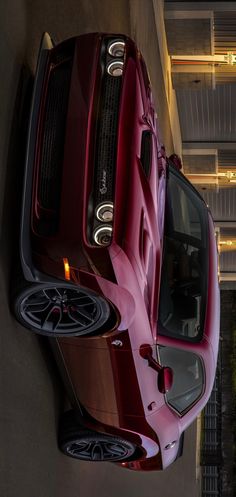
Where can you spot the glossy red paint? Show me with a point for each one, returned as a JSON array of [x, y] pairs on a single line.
[[165, 380], [111, 378]]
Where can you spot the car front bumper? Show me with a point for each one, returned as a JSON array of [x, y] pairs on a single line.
[[72, 153]]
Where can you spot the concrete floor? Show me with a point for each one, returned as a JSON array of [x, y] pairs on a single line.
[[31, 392]]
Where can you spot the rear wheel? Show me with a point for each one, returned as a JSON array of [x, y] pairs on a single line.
[[80, 443], [61, 309]]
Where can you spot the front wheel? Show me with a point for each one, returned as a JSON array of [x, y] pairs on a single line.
[[80, 443], [61, 309]]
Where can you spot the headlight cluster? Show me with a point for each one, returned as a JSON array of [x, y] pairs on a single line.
[[103, 233], [102, 210], [116, 49]]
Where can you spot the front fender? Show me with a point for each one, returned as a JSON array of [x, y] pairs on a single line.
[[119, 296]]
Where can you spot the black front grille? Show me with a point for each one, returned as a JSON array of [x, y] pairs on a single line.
[[52, 148], [106, 139], [105, 150]]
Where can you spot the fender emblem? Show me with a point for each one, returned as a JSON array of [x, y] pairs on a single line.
[[117, 343]]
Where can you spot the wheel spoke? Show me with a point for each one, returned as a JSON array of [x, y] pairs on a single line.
[[74, 317], [57, 317], [60, 292], [82, 304], [82, 312], [78, 297], [35, 307], [115, 449], [82, 300], [52, 317], [77, 448], [97, 452], [47, 293]]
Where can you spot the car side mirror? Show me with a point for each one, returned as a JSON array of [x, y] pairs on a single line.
[[176, 162], [165, 379], [165, 374]]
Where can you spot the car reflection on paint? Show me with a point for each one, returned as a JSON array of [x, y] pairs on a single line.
[[118, 257]]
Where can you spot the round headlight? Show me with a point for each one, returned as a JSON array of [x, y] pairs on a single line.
[[104, 212], [103, 235], [116, 48], [115, 68]]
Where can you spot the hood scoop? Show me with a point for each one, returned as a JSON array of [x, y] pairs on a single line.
[[146, 152]]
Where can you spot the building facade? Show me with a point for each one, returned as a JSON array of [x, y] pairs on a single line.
[[201, 40]]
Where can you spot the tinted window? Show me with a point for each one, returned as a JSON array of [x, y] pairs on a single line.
[[185, 215], [185, 262], [188, 377]]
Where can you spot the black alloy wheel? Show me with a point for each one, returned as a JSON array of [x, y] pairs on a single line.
[[61, 309], [79, 442], [92, 446]]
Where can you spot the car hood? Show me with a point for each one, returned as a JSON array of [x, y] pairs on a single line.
[[139, 196]]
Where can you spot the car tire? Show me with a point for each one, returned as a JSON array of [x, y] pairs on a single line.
[[81, 443], [60, 309]]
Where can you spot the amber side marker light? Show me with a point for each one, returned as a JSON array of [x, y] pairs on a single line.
[[66, 268]]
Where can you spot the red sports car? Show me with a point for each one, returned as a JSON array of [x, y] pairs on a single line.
[[118, 256]]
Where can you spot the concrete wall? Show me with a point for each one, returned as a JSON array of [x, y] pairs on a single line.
[[188, 36], [192, 80], [199, 163], [190, 33]]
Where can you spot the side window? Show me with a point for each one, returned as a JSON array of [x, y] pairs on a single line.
[[146, 152], [185, 214], [183, 290], [188, 377]]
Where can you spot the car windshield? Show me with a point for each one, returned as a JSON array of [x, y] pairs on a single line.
[[185, 261], [188, 378]]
